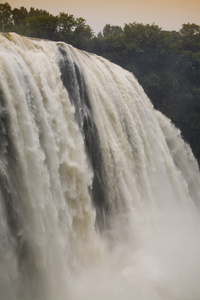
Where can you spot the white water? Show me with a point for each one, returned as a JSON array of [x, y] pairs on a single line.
[[145, 244]]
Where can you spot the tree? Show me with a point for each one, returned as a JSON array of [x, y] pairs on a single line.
[[41, 26], [190, 34], [139, 37], [65, 26], [5, 16], [109, 30], [19, 15], [33, 12], [73, 30], [189, 30], [82, 34], [110, 43]]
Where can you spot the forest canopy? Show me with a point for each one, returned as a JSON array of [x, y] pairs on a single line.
[[166, 63]]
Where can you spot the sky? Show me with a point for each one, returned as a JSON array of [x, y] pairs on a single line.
[[167, 14]]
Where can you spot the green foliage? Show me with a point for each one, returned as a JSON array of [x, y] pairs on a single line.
[[40, 26], [34, 12], [109, 30], [109, 43], [139, 36], [190, 36], [19, 15], [82, 34], [39, 23], [65, 26], [5, 16], [73, 30]]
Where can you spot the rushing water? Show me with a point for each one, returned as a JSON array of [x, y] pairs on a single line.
[[99, 195]]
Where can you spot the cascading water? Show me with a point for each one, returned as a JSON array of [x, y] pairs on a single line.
[[99, 194]]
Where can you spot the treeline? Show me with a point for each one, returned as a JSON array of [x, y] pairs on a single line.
[[166, 63], [40, 23]]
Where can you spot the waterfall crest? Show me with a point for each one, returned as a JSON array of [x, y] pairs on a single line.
[[99, 194]]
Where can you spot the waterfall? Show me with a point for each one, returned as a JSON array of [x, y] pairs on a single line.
[[99, 194]]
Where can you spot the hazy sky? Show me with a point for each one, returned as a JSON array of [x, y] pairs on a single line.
[[168, 14]]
